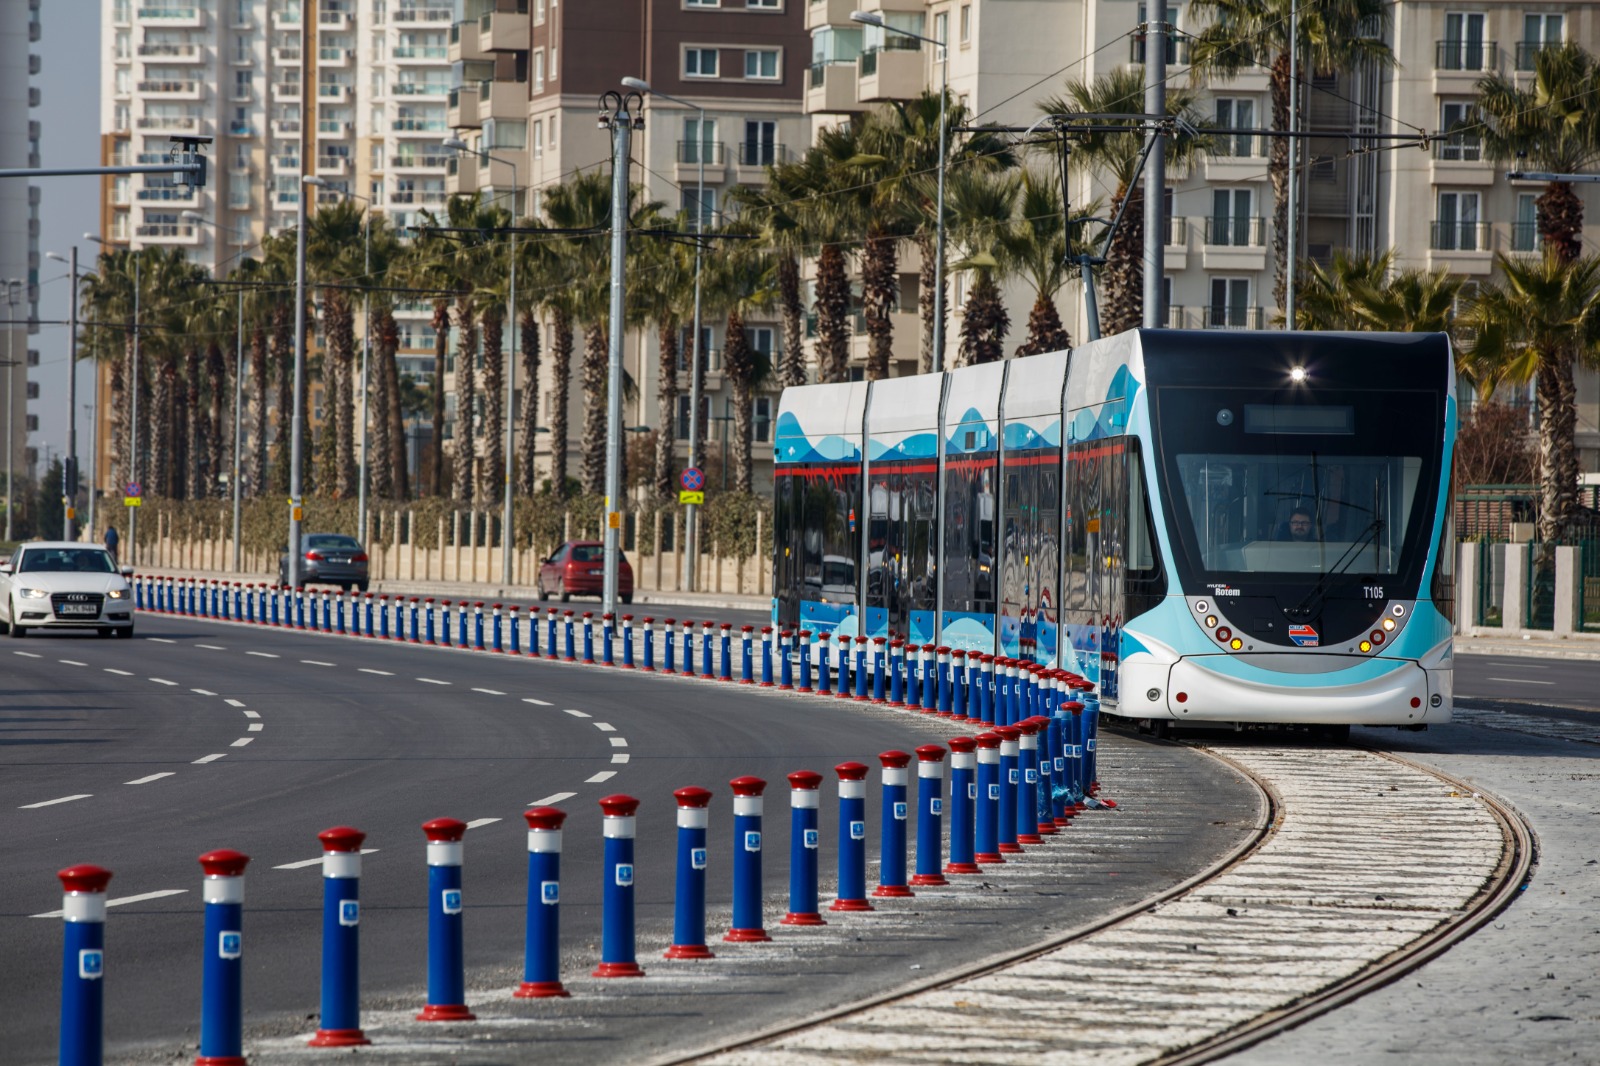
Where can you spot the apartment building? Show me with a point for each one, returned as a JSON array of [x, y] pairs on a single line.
[[529, 76], [19, 228]]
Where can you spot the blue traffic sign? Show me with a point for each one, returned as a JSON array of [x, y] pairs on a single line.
[[693, 479]]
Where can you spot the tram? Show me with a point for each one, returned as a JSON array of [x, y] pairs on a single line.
[[1212, 527]]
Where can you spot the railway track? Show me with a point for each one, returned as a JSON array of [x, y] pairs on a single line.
[[1367, 866]]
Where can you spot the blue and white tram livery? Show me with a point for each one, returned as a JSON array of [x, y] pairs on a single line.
[[1212, 527]]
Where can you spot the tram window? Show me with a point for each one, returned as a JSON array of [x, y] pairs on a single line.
[[1141, 555]]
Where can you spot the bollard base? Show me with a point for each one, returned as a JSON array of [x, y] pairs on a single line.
[[446, 1012], [850, 905], [1027, 838], [219, 1060], [688, 951], [540, 990], [921, 880], [990, 858], [1010, 849], [618, 969], [811, 918], [1048, 828], [746, 936], [962, 868], [1063, 822], [892, 892], [338, 1038]]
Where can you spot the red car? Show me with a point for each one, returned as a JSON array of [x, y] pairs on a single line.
[[578, 568]]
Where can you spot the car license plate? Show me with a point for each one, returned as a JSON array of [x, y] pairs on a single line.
[[77, 608], [596, 573]]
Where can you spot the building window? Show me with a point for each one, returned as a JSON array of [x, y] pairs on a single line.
[[1525, 230], [1538, 33], [538, 12], [763, 419], [1465, 147], [538, 138], [1462, 47], [1230, 304], [686, 346], [1235, 113], [1231, 221], [966, 23], [760, 145], [700, 142], [1456, 227], [538, 70], [121, 190], [761, 64], [764, 5], [708, 208], [700, 62], [702, 3]]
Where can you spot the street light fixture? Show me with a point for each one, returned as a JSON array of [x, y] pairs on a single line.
[[691, 517], [506, 529], [869, 18]]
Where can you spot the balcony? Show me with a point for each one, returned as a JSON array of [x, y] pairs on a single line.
[[893, 72], [1525, 238], [286, 127], [334, 127], [335, 57], [1236, 231], [1175, 252], [1454, 59], [504, 31], [461, 109], [1234, 158], [167, 233], [1459, 160], [820, 13], [287, 19], [286, 91], [420, 53], [286, 56], [184, 123], [831, 89], [419, 88], [172, 90], [171, 53], [1528, 53], [758, 154], [1231, 316], [1459, 237], [286, 163], [467, 172], [691, 154], [425, 197], [419, 162], [333, 166], [166, 194], [464, 46], [419, 124], [1177, 50], [172, 15], [414, 15], [333, 21], [333, 93]]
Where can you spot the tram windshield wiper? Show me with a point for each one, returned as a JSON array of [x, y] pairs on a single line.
[[1313, 599]]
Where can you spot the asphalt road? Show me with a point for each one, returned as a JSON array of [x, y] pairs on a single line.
[[139, 755]]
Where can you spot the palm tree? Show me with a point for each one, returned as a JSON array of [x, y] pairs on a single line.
[[493, 300], [582, 203], [829, 219], [1035, 246], [982, 206], [335, 243], [1537, 325], [739, 282], [1336, 36], [1117, 153], [1552, 124], [668, 289], [108, 301], [427, 264], [1361, 291], [538, 267], [1327, 297], [771, 209]]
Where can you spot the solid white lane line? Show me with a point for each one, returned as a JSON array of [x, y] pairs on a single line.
[[1521, 681], [242, 741], [303, 863], [72, 662], [140, 898], [619, 757], [211, 647], [234, 703], [603, 775], [202, 692], [120, 673], [478, 823], [314, 662], [369, 670], [163, 681], [252, 714], [1520, 666], [52, 803], [27, 655], [489, 691], [150, 778], [161, 640], [536, 703], [575, 714], [262, 654], [605, 727], [209, 758], [432, 681], [618, 742], [554, 797], [255, 727]]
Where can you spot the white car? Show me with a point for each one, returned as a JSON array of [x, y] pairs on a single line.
[[65, 585]]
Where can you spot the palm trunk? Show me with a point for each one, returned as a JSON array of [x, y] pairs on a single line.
[[879, 279], [1558, 457], [441, 343], [161, 445], [1559, 214], [255, 467], [985, 323], [667, 404], [594, 409], [219, 441], [1045, 331], [282, 360], [739, 367], [792, 368], [395, 458], [494, 452], [325, 460], [466, 402], [528, 415], [1278, 171], [560, 401], [346, 415], [380, 469], [931, 300], [194, 444], [1122, 305], [832, 308], [121, 470]]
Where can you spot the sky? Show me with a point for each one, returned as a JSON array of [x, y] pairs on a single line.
[[69, 117]]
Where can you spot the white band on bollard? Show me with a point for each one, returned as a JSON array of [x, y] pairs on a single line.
[[851, 790], [618, 828], [444, 852], [1008, 747], [217, 889], [961, 760], [748, 805], [544, 841], [83, 907], [693, 817], [895, 775], [930, 769], [341, 864], [805, 799], [988, 756]]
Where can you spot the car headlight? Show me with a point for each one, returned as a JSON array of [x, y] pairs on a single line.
[[32, 594], [118, 594]]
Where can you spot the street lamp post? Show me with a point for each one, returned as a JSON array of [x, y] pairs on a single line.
[[506, 537], [69, 468], [11, 379], [691, 516], [868, 18]]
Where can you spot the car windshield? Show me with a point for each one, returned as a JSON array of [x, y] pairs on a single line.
[[588, 553], [330, 542], [66, 561]]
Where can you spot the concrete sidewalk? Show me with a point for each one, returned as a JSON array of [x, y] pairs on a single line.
[[1535, 643]]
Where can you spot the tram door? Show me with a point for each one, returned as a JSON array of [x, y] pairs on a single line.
[[1094, 538]]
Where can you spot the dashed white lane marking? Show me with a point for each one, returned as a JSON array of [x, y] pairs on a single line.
[[211, 647], [234, 703], [554, 797], [536, 703], [162, 640], [478, 823], [209, 758], [303, 863], [164, 681], [140, 898], [52, 803], [433, 681], [27, 655], [150, 778], [1519, 666], [619, 742], [369, 670], [255, 727], [72, 662], [242, 741], [1521, 681], [315, 662], [603, 775], [575, 714], [605, 727], [250, 714], [202, 692], [619, 757], [119, 673], [489, 691], [262, 654]]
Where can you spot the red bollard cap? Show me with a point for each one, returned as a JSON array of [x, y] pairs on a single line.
[[341, 838], [728, 625], [805, 780], [986, 740], [627, 618], [1008, 732], [708, 625], [447, 830], [619, 806], [224, 862], [1027, 727], [747, 786], [1073, 706], [880, 641], [894, 759], [565, 614], [805, 634], [479, 603], [608, 616], [446, 603], [751, 629], [851, 771], [861, 640], [957, 653], [646, 619], [764, 629], [84, 878], [586, 614], [545, 818], [428, 600], [492, 606], [897, 643], [930, 752], [962, 744], [692, 797], [667, 621], [942, 650]]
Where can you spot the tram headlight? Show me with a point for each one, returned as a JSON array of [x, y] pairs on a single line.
[[1388, 625], [1297, 374], [1211, 621], [1365, 645]]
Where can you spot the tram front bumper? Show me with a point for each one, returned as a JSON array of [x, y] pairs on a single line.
[[1362, 691]]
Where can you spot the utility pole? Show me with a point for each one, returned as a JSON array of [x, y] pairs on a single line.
[[1155, 175], [1294, 169], [69, 469], [307, 146], [619, 112]]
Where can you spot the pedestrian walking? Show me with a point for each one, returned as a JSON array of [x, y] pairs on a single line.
[[111, 541]]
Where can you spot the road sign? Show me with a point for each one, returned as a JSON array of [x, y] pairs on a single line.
[[133, 489], [693, 479], [685, 496], [131, 501]]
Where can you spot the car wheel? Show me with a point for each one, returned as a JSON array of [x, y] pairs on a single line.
[[627, 598], [361, 586], [566, 597], [125, 633], [344, 586], [104, 631], [544, 593]]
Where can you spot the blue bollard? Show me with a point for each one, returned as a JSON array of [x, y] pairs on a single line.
[[766, 656], [588, 638], [383, 618], [958, 685], [892, 835], [461, 624], [300, 608], [477, 627], [689, 898], [429, 618], [963, 807], [707, 667], [725, 646], [930, 678], [805, 661], [221, 966], [533, 633], [986, 823], [627, 642], [746, 657], [1091, 733], [550, 649], [1010, 783], [748, 800], [860, 668], [83, 963], [804, 841], [986, 689], [841, 686], [412, 613], [852, 838], [669, 635], [913, 656], [824, 684], [1074, 753], [608, 633], [541, 960], [446, 631], [785, 664], [514, 630], [273, 599], [897, 690], [944, 682], [1043, 814], [338, 613], [930, 815], [647, 645], [1028, 782], [617, 958], [341, 939], [496, 637], [879, 668], [687, 648], [368, 624], [569, 650], [447, 974]]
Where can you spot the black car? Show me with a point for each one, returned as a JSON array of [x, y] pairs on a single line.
[[328, 559]]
